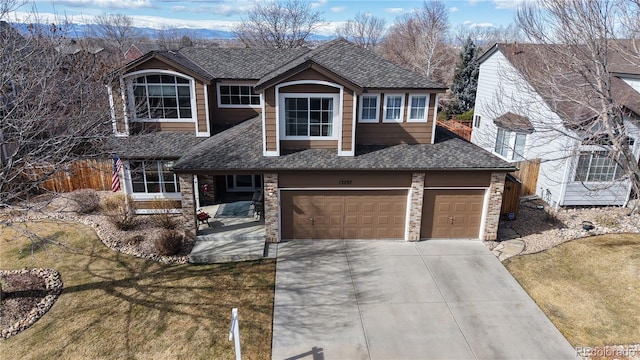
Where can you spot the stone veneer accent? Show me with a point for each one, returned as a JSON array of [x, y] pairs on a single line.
[[271, 207], [415, 206], [492, 218], [188, 206]]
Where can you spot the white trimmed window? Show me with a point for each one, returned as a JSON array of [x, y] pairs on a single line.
[[476, 120], [502, 142], [152, 177], [393, 107], [507, 140], [162, 97], [596, 166], [309, 116], [369, 108], [237, 96], [418, 108]]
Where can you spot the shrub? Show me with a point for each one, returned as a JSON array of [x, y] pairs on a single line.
[[442, 116], [169, 243], [120, 210], [465, 116], [163, 217], [87, 200]]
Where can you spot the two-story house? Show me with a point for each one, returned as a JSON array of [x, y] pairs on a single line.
[[342, 142], [517, 121]]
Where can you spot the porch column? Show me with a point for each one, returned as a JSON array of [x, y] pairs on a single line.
[[271, 207], [492, 217], [188, 206], [415, 206]]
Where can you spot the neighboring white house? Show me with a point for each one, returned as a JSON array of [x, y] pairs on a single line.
[[515, 122]]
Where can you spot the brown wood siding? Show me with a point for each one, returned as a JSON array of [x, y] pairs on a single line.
[[393, 133], [308, 144], [457, 178], [270, 119], [310, 88], [347, 121], [140, 127], [200, 106], [344, 180], [150, 204], [228, 116], [309, 74], [154, 64], [382, 133]]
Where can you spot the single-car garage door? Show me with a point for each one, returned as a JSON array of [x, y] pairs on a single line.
[[452, 214], [343, 214]]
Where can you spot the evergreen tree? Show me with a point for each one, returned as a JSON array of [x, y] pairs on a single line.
[[465, 80]]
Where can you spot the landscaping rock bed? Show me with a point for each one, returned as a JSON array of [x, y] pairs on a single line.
[[52, 287]]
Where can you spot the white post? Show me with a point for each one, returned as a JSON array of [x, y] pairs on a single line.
[[234, 332]]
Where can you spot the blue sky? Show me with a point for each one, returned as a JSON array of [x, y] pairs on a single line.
[[224, 14]]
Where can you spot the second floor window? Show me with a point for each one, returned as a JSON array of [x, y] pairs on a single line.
[[505, 140], [309, 116], [369, 108], [418, 107], [393, 107], [162, 96], [237, 96]]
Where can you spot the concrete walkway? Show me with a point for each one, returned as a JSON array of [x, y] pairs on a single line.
[[398, 300]]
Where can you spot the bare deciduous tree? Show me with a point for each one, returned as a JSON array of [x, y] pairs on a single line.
[[174, 38], [116, 31], [487, 36], [54, 109], [419, 41], [279, 25], [364, 30], [575, 65]]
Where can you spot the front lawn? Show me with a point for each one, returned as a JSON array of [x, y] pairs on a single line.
[[588, 287], [115, 306]]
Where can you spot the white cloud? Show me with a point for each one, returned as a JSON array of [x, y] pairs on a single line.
[[480, 25], [223, 9], [337, 9], [507, 4], [473, 2], [395, 10], [318, 4], [453, 9], [110, 4]]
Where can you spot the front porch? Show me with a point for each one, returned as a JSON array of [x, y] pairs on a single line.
[[232, 233]]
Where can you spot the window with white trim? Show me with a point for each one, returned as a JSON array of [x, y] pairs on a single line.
[[594, 166], [162, 96], [507, 140], [476, 120], [518, 148], [393, 107], [152, 177], [418, 107], [369, 108], [237, 95], [502, 142], [309, 116]]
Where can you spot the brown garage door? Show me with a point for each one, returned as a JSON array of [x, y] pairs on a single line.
[[342, 214], [452, 214]]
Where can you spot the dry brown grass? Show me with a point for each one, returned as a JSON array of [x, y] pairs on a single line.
[[116, 306], [587, 287]]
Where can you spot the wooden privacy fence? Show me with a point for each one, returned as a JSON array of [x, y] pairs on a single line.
[[81, 174], [510, 198], [528, 176], [457, 128]]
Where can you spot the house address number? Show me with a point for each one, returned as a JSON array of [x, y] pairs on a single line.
[[345, 182]]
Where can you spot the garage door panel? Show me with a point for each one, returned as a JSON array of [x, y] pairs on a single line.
[[361, 214], [452, 213]]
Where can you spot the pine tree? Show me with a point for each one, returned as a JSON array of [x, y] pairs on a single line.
[[465, 80]]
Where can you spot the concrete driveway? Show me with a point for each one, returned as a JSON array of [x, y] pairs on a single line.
[[449, 299]]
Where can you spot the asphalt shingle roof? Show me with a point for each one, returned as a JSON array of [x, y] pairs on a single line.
[[358, 65], [156, 145], [514, 122], [240, 149]]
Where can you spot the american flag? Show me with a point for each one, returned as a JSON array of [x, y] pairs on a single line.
[[115, 178]]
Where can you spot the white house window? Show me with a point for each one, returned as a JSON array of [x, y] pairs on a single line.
[[162, 96], [597, 166], [152, 177], [309, 116], [369, 108], [418, 107], [393, 106], [477, 119], [237, 183], [233, 95], [506, 140]]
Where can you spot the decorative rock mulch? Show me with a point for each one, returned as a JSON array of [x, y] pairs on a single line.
[[53, 286]]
